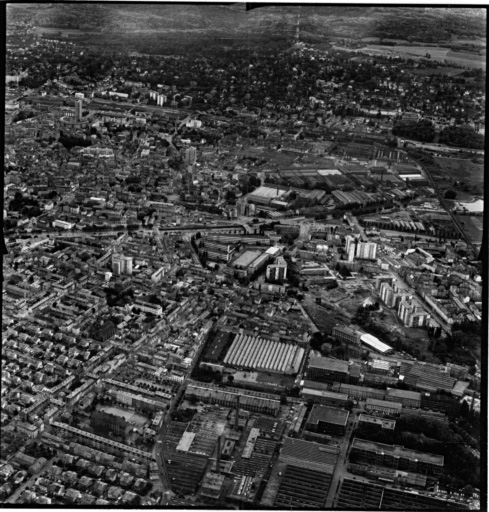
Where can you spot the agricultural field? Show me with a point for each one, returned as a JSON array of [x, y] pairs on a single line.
[[477, 41], [444, 71], [470, 175], [66, 32], [409, 51], [436, 53], [470, 60]]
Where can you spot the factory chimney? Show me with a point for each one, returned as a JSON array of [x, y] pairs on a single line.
[[236, 419], [218, 458], [472, 404]]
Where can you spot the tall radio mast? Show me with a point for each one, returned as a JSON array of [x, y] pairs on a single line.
[[297, 28]]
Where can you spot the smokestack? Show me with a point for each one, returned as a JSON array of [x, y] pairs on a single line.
[[218, 458], [236, 419]]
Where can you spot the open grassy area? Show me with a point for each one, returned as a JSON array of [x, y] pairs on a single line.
[[473, 226], [325, 318], [281, 381], [415, 339], [407, 52], [462, 170], [444, 71], [436, 53], [350, 306], [469, 60]]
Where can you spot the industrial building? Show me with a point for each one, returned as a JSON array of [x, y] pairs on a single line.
[[212, 486], [310, 391], [216, 250], [345, 334], [369, 452], [379, 366], [374, 343], [367, 422], [305, 454], [62, 224], [404, 397], [263, 195], [250, 261], [383, 406], [229, 399], [301, 487], [327, 420], [253, 352], [366, 495], [429, 378], [325, 369]]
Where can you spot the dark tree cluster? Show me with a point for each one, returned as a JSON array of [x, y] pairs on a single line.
[[461, 467], [462, 136], [69, 141], [423, 131], [25, 205]]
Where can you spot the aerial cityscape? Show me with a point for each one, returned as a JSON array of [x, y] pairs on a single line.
[[244, 257]]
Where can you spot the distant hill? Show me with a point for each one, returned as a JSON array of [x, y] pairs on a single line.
[[415, 23]]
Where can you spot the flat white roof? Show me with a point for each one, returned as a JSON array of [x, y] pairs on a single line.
[[269, 192], [375, 343], [273, 250], [328, 172], [246, 258], [411, 177], [379, 363], [185, 441]]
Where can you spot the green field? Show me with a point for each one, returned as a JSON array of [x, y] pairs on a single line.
[[473, 226], [469, 60], [436, 54], [324, 318], [64, 31], [445, 71], [410, 51], [463, 170]]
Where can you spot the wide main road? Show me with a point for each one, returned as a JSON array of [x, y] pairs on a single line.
[[166, 492], [341, 468]]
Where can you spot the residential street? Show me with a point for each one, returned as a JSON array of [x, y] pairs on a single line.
[[28, 483]]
